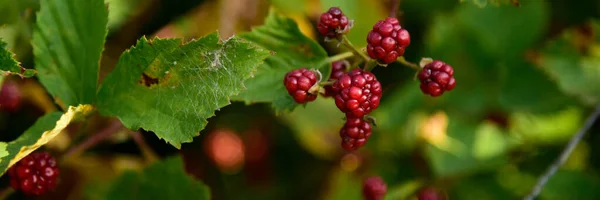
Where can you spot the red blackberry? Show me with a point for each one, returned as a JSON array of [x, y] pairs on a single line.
[[436, 78], [355, 133], [35, 174], [332, 23], [387, 40], [338, 69], [430, 193], [10, 97], [374, 188], [357, 93], [298, 82]]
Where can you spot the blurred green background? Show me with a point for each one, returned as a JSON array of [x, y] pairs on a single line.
[[527, 77]]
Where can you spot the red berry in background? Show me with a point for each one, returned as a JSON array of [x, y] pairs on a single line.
[[10, 97], [436, 78], [355, 133], [35, 174], [357, 93], [332, 23], [387, 40], [338, 69], [374, 188], [298, 83], [430, 193]]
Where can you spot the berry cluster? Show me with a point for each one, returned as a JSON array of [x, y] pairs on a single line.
[[374, 188], [35, 174], [356, 91]]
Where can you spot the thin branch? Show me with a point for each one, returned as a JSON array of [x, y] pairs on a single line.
[[93, 140], [147, 152], [564, 155], [394, 8]]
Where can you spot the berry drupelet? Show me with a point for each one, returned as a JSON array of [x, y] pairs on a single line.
[[357, 93], [35, 174], [298, 82], [436, 78], [387, 41], [338, 69], [333, 23]]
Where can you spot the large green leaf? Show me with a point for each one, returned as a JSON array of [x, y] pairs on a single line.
[[171, 88], [67, 43], [292, 50], [45, 129], [166, 179], [8, 64]]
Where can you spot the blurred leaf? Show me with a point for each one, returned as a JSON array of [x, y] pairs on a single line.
[[571, 185], [404, 190], [67, 43], [343, 186], [575, 68], [290, 5], [165, 179], [479, 187], [122, 10], [550, 128], [489, 142], [365, 14], [292, 50], [8, 64], [44, 130], [171, 88], [484, 3]]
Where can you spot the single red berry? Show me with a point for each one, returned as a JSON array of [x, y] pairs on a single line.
[[298, 83], [374, 188], [338, 69], [430, 193], [10, 97], [387, 40], [355, 133], [35, 174], [357, 93], [436, 78], [332, 23]]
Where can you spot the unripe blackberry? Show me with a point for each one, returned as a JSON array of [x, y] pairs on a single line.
[[35, 174], [430, 193], [387, 40], [357, 93], [298, 82], [338, 69], [355, 133], [374, 188], [437, 77], [332, 23]]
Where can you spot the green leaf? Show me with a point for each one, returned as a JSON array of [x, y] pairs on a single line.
[[165, 179], [45, 129], [8, 64], [571, 185], [489, 142], [548, 128], [171, 88], [68, 40], [292, 50]]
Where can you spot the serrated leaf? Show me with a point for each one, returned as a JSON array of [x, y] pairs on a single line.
[[67, 43], [165, 179], [45, 129], [171, 88], [292, 50], [8, 64]]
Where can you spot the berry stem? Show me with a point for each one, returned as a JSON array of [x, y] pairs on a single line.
[[356, 51], [341, 56], [95, 139], [326, 83], [147, 152], [370, 65], [404, 62]]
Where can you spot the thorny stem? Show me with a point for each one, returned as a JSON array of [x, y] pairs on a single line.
[[356, 51], [564, 155], [147, 152], [403, 61], [341, 56], [95, 139]]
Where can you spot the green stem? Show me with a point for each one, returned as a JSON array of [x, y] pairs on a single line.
[[326, 83], [341, 56], [403, 61], [370, 65], [356, 51]]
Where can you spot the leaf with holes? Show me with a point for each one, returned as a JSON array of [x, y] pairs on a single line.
[[171, 88], [173, 183], [45, 129], [8, 64], [67, 43], [292, 50]]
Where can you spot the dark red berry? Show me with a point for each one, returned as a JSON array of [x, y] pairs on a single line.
[[387, 40], [10, 97], [298, 83], [332, 23], [430, 193], [436, 78], [338, 69], [35, 174], [355, 133], [374, 188], [357, 93]]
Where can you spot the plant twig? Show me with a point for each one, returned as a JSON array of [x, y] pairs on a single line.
[[341, 56], [93, 140], [147, 152], [564, 155], [6, 192], [349, 45], [404, 62]]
